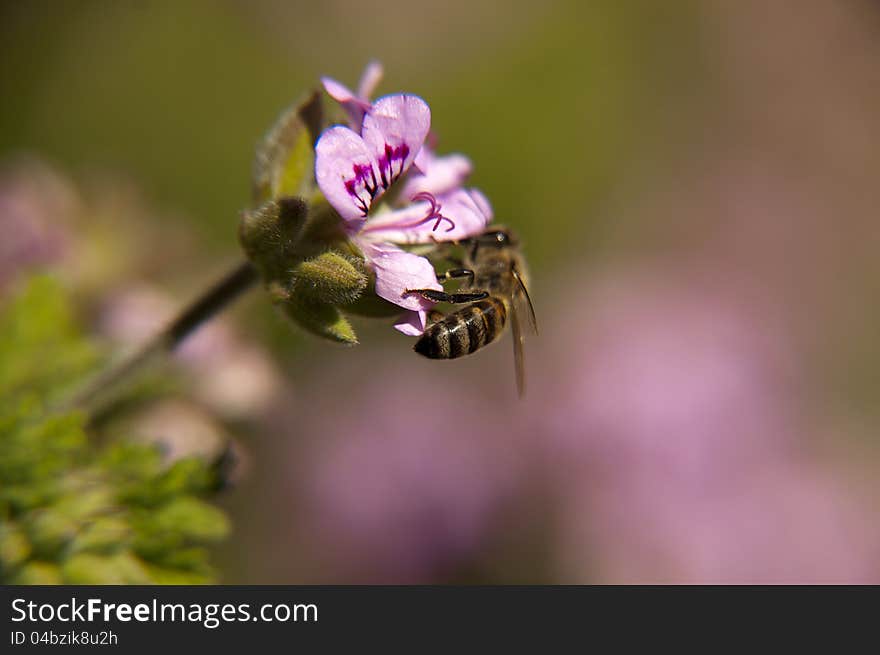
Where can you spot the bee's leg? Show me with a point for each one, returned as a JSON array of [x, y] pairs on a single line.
[[454, 298], [456, 273]]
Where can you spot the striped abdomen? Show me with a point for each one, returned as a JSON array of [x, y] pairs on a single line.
[[461, 333]]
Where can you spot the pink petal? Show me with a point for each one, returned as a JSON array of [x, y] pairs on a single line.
[[439, 174], [482, 203], [469, 210], [370, 80], [394, 130], [412, 324], [397, 272], [397, 226], [339, 157], [337, 90], [353, 105]]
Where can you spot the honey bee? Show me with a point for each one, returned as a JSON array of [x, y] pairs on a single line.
[[494, 291]]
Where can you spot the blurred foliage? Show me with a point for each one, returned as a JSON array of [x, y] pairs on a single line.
[[73, 510]]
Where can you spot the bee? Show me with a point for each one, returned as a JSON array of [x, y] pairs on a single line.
[[494, 291]]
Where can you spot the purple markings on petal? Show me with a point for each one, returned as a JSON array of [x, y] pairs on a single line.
[[394, 131], [344, 170], [363, 187], [354, 169], [391, 156], [364, 182]]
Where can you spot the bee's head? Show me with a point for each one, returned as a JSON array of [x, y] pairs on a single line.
[[497, 237]]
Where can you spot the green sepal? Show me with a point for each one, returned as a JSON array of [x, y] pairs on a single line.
[[285, 161], [321, 319]]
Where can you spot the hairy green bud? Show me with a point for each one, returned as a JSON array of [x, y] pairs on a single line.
[[329, 278], [271, 233]]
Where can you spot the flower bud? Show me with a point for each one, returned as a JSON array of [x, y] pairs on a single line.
[[270, 234], [329, 278]]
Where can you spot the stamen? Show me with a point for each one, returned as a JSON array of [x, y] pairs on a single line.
[[433, 211], [433, 214]]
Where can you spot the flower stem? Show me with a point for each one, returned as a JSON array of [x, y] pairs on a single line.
[[204, 307]]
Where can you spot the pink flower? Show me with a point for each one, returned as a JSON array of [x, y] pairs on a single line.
[[355, 104], [355, 169], [438, 175]]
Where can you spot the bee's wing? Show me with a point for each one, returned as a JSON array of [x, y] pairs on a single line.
[[533, 322], [518, 357], [520, 297]]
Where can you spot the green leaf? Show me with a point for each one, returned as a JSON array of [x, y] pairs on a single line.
[[40, 351], [102, 535], [88, 568], [49, 531], [285, 161], [75, 508]]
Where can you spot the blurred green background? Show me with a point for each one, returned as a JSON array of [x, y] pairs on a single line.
[[548, 101]]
